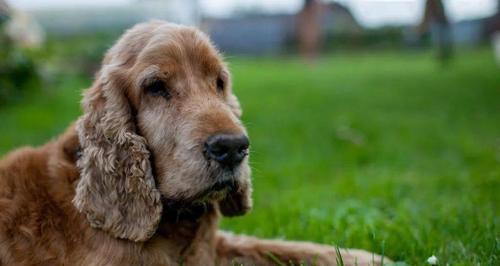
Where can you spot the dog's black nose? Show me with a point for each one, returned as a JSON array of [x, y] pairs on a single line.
[[228, 150]]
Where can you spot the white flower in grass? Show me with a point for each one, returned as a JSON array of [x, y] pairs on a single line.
[[432, 260]]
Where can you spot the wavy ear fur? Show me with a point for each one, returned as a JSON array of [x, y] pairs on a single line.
[[116, 191]]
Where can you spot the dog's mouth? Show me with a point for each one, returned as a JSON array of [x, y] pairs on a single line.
[[215, 192], [218, 190], [200, 204], [225, 180]]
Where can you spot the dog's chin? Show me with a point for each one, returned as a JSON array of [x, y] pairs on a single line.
[[194, 207], [224, 183]]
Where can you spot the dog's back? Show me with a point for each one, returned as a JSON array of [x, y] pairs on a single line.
[[34, 212]]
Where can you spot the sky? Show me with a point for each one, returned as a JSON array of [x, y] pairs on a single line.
[[370, 13]]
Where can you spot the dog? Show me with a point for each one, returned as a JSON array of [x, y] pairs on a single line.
[[143, 176]]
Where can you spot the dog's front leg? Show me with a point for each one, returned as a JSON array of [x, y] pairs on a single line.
[[244, 250]]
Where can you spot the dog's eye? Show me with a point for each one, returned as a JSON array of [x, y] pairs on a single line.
[[158, 88], [220, 84]]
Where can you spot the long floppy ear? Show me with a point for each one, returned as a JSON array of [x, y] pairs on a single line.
[[116, 191]]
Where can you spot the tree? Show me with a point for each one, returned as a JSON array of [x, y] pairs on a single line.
[[436, 22], [309, 29]]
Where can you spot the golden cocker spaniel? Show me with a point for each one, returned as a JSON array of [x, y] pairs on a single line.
[[144, 175]]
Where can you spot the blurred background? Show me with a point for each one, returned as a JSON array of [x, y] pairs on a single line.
[[375, 124]]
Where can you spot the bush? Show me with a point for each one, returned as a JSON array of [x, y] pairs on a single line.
[[18, 71]]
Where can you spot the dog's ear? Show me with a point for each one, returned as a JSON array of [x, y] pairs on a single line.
[[116, 191], [238, 201]]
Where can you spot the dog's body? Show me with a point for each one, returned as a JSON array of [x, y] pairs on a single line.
[[99, 195]]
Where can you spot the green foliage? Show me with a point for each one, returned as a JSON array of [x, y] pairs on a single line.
[[386, 152], [379, 38], [18, 71], [81, 53]]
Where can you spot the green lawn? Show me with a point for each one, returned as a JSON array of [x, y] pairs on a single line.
[[383, 151]]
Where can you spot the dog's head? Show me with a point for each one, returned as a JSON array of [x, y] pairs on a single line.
[[160, 123]]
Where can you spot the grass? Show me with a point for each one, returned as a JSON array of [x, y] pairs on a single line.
[[383, 151]]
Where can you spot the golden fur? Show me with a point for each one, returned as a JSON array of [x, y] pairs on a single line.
[[128, 184]]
